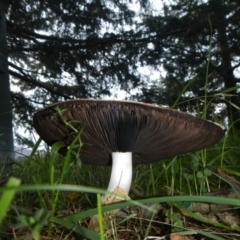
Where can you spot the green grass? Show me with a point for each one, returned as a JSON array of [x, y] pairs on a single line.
[[56, 196]]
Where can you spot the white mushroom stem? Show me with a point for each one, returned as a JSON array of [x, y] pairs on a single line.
[[121, 175]]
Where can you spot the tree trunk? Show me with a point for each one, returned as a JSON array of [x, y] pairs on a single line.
[[6, 135], [227, 70]]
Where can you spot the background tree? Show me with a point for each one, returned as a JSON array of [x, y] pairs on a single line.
[[73, 49], [6, 136], [186, 55], [83, 49]]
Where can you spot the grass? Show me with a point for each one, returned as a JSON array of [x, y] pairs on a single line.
[[56, 197]]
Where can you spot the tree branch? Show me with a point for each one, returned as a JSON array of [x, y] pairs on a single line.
[[17, 96], [39, 84]]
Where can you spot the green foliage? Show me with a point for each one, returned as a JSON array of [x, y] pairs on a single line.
[[79, 40], [35, 223]]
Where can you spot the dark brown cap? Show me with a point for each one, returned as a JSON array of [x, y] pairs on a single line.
[[150, 132]]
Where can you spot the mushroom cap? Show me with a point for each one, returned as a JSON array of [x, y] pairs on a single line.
[[150, 132]]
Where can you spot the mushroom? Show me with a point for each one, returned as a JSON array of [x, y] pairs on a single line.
[[125, 133]]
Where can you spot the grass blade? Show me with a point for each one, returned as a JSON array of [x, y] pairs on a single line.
[[8, 195], [100, 218]]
